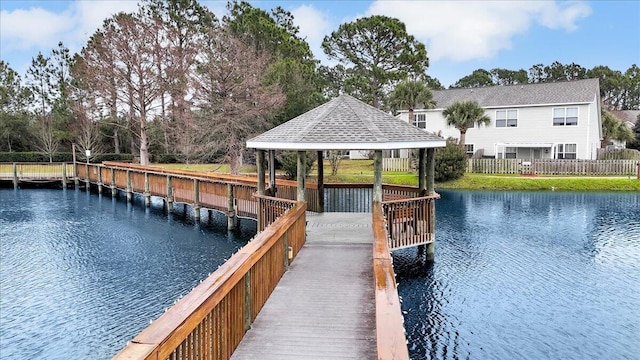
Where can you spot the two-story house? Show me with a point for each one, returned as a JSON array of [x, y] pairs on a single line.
[[559, 120]]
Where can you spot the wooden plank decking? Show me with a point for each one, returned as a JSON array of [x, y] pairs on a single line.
[[323, 307]]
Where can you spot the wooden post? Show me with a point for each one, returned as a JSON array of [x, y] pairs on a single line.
[[15, 176], [169, 194], [231, 212], [260, 165], [196, 199], [422, 172], [247, 301], [286, 251], [272, 172], [64, 175], [320, 181], [147, 193], [88, 179], [301, 174], [431, 169], [76, 182], [99, 180], [129, 187], [114, 188], [377, 176]]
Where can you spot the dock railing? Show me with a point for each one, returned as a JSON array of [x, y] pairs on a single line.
[[410, 221], [36, 172], [390, 333], [210, 321]]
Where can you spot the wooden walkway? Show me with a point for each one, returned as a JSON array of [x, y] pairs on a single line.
[[323, 307]]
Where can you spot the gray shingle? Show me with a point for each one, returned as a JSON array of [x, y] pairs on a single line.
[[345, 119], [578, 91]]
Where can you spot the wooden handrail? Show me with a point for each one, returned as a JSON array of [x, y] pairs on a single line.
[[390, 333], [168, 332], [398, 201]]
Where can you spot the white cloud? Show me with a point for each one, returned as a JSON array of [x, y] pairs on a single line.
[[314, 25], [468, 30], [35, 27]]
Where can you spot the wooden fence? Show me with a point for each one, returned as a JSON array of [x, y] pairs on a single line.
[[553, 167], [397, 164], [390, 333], [210, 321]]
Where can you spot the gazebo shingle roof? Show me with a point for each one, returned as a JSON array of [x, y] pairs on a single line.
[[345, 123]]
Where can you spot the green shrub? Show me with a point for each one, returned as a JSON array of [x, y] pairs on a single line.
[[289, 163], [98, 158], [34, 157], [164, 158], [451, 162]]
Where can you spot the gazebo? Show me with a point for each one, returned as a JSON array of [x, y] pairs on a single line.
[[345, 123]]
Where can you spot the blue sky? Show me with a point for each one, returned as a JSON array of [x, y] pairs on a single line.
[[460, 36]]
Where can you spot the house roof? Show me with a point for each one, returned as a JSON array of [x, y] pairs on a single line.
[[629, 117], [565, 92], [345, 123]]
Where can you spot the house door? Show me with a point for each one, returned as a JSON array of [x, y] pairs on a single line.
[[537, 154]]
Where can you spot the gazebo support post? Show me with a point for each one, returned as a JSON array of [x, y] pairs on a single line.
[[260, 165], [422, 171], [272, 172], [431, 171], [422, 185], [301, 174], [320, 181], [377, 176]]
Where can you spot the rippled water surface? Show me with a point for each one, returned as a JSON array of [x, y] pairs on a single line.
[[525, 275], [82, 274]]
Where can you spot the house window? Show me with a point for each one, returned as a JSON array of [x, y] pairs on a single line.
[[565, 116], [566, 151], [469, 149], [506, 118], [420, 120], [510, 153]]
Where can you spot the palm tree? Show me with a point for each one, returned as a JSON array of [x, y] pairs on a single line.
[[464, 115], [614, 129], [410, 94]]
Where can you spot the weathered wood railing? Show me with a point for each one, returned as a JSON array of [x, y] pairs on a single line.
[[35, 172], [271, 209], [210, 321], [390, 333], [410, 221]]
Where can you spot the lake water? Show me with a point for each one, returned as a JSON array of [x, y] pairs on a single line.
[[527, 275], [82, 274]]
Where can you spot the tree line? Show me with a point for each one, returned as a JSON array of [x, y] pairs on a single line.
[[172, 80]]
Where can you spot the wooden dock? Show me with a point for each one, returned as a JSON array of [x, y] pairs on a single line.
[[323, 307]]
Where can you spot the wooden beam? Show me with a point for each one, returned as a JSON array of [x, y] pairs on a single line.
[[431, 170], [272, 172], [301, 174], [260, 165], [320, 182], [377, 176], [422, 172]]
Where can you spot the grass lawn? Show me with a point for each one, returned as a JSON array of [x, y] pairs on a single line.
[[361, 171]]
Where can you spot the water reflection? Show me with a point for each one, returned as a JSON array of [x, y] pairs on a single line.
[[81, 274], [527, 275]]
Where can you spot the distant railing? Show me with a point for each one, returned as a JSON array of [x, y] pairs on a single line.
[[390, 333], [210, 321], [552, 167], [36, 172], [410, 222]]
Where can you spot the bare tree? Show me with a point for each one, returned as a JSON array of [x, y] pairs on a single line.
[[121, 66], [233, 100]]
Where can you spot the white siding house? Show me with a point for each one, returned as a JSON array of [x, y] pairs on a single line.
[[558, 120]]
